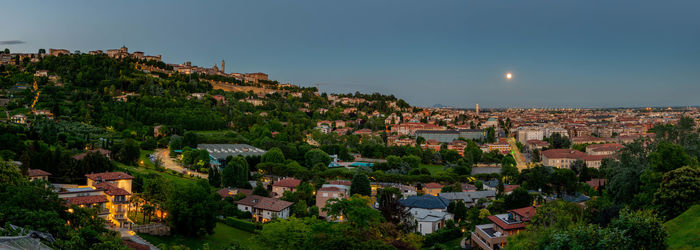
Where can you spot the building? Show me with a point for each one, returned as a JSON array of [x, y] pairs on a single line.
[[220, 152], [525, 134], [265, 209], [564, 158], [495, 235], [432, 188], [117, 203], [470, 198], [19, 119], [428, 221], [425, 201], [286, 184], [447, 136], [603, 149], [38, 174], [328, 192], [58, 52], [119, 179]]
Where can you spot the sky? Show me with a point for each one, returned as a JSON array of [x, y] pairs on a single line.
[[562, 53]]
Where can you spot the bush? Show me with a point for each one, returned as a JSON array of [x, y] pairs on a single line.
[[242, 224], [442, 235]]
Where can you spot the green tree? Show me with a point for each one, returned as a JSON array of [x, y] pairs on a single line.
[[518, 198], [316, 156], [680, 189], [236, 172], [289, 233], [356, 209], [360, 184], [190, 139], [214, 177], [260, 190], [490, 135], [274, 155], [191, 209]]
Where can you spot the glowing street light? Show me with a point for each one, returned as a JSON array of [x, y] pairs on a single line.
[[509, 75]]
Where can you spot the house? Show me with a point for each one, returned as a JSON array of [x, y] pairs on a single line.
[[507, 189], [490, 185], [286, 184], [432, 188], [328, 192], [117, 203], [38, 174], [495, 235], [425, 201], [431, 144], [19, 119], [103, 152], [120, 179], [265, 209], [466, 187], [406, 190], [470, 199], [428, 221]]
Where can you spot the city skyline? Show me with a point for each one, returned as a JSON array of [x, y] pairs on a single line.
[[454, 53]]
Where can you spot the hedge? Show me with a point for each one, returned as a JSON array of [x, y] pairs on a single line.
[[442, 235], [241, 224]]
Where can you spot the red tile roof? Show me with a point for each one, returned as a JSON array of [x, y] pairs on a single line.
[[37, 173], [86, 200], [509, 188], [605, 147], [563, 153], [109, 176], [287, 182], [433, 185], [111, 189], [264, 203], [99, 150], [526, 212]]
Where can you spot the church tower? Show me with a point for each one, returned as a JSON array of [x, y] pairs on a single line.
[[223, 66]]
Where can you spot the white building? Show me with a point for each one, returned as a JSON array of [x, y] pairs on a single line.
[[429, 221]]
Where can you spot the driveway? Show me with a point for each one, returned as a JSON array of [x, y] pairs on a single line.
[[169, 163]]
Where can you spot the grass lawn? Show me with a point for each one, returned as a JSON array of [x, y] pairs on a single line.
[[222, 237], [434, 169], [684, 230], [454, 244]]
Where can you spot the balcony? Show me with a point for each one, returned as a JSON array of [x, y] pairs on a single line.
[[486, 237]]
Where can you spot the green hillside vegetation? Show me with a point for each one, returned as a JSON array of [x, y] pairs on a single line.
[[684, 230]]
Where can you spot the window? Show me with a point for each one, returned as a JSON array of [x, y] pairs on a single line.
[[325, 194]]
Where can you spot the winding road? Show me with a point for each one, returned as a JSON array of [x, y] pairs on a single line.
[[168, 163]]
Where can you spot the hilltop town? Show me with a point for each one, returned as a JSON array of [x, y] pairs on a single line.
[[123, 150]]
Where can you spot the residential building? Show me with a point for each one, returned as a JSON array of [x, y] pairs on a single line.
[[428, 221], [495, 235], [38, 174], [432, 188], [328, 192], [265, 209], [425, 201], [286, 184], [470, 198]]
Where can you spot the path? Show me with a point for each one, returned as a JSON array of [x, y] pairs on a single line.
[[516, 154], [168, 163]]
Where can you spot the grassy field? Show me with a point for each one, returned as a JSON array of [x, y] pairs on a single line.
[[148, 168], [684, 230], [222, 237], [434, 169]]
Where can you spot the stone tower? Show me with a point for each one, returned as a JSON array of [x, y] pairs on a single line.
[[223, 66]]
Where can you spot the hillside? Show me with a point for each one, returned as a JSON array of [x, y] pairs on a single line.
[[684, 230]]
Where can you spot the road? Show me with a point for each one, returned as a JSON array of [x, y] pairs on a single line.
[[168, 163], [519, 159]]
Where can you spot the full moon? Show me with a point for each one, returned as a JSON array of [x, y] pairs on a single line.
[[509, 76]]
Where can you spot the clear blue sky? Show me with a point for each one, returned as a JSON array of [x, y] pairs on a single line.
[[572, 53]]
